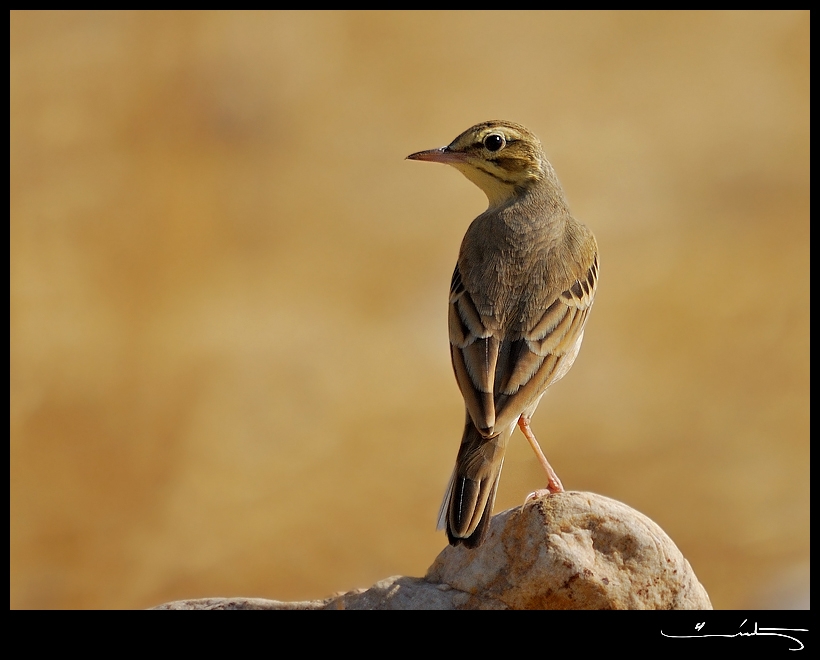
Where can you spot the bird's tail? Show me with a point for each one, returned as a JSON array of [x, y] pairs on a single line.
[[468, 502]]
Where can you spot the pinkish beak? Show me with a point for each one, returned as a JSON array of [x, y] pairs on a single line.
[[441, 155]]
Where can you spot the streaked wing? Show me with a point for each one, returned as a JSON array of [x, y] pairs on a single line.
[[474, 351], [501, 378]]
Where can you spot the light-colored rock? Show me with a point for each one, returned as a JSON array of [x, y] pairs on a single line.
[[240, 603], [566, 551], [573, 551]]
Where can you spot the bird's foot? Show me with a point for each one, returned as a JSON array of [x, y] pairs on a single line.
[[543, 492], [554, 484]]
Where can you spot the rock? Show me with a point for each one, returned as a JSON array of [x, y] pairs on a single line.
[[240, 603], [572, 551], [566, 551]]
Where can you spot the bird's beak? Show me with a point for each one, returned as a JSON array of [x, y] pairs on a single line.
[[441, 155]]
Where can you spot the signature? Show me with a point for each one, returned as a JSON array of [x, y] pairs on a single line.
[[770, 632]]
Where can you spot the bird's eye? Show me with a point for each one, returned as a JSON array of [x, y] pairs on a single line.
[[494, 142]]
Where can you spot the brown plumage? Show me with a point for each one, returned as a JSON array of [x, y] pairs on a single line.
[[519, 299]]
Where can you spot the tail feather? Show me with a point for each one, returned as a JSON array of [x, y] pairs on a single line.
[[468, 502]]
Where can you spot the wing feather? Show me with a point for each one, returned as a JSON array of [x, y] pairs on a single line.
[[502, 377]]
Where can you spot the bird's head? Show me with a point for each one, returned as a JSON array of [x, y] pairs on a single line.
[[502, 158]]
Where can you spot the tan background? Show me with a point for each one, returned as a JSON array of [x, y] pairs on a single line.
[[229, 365]]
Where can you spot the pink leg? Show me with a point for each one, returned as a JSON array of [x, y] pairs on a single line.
[[554, 484]]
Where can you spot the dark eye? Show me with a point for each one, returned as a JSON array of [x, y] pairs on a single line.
[[494, 142]]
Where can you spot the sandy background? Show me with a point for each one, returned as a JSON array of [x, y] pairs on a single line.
[[229, 364]]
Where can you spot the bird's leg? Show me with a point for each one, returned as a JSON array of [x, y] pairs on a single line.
[[554, 484]]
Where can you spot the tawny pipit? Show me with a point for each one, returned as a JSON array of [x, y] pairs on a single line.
[[519, 300]]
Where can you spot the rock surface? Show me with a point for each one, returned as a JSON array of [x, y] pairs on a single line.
[[566, 551]]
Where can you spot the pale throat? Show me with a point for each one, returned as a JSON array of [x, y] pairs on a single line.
[[498, 192]]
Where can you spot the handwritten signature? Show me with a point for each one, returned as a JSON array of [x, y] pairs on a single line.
[[771, 632]]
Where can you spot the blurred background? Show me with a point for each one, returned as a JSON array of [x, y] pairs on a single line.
[[229, 362]]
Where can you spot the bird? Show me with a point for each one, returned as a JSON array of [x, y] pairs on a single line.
[[520, 296]]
